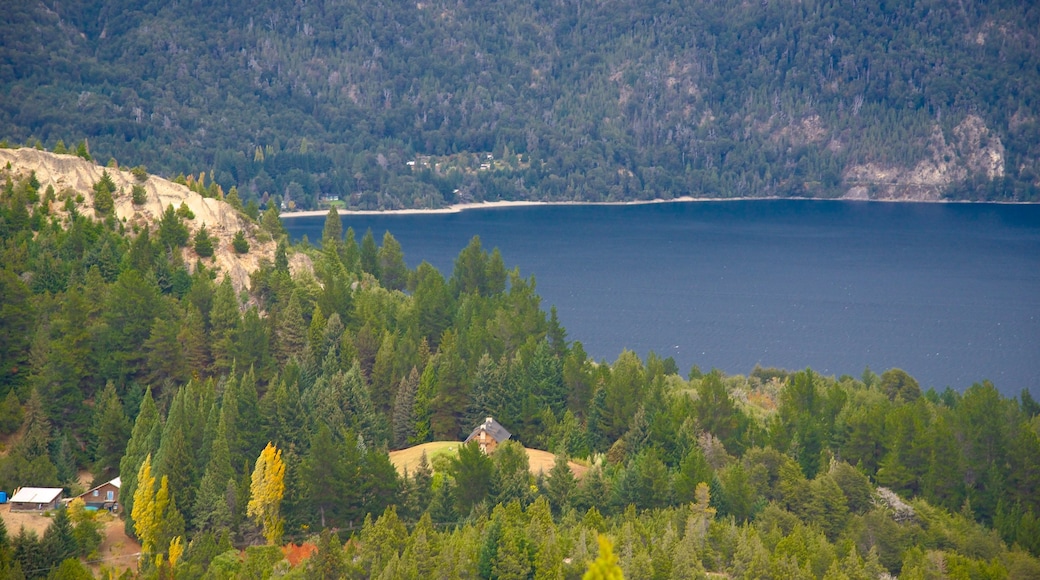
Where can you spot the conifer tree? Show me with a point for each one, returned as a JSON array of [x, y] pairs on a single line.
[[59, 540], [392, 268], [103, 191], [111, 431], [174, 459], [332, 232], [211, 508], [203, 243], [404, 406], [239, 242], [382, 379], [225, 320], [291, 331], [560, 485], [370, 254]]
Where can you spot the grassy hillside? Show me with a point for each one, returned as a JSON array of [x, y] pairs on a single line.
[[408, 459]]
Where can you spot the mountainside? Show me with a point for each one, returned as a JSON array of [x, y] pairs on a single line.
[[70, 176], [395, 104]]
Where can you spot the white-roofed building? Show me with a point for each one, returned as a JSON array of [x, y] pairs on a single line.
[[28, 499]]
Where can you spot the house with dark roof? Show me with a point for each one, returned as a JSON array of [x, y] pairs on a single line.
[[489, 434], [104, 496]]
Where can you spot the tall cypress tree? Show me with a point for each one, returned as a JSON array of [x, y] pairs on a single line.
[[404, 406], [211, 508], [291, 331], [369, 254], [174, 458]]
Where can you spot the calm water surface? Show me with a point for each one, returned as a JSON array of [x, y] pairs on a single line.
[[948, 292]]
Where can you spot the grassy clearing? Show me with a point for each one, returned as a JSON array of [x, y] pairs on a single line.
[[540, 461]]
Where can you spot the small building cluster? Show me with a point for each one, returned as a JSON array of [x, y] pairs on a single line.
[[41, 499]]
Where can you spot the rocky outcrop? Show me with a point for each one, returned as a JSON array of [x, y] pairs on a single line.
[[972, 150], [67, 173]]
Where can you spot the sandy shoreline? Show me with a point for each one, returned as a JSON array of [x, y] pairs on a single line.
[[684, 199], [507, 204]]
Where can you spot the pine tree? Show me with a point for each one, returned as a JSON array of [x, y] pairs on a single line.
[[291, 331], [111, 430], [370, 254], [172, 232], [382, 378], [404, 405], [103, 190], [239, 242], [560, 484], [332, 232], [327, 563], [392, 267], [59, 540], [225, 320], [203, 243], [174, 459]]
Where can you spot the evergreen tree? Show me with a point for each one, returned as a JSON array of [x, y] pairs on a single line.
[[560, 485], [370, 254], [174, 460], [29, 553], [103, 190], [392, 268], [212, 511], [224, 321], [203, 243], [291, 331], [59, 540], [473, 472], [332, 232], [239, 243], [172, 232], [404, 405]]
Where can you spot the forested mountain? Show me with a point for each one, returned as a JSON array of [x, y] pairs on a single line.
[[264, 414], [389, 104]]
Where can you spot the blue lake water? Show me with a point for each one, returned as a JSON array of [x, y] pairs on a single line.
[[948, 292]]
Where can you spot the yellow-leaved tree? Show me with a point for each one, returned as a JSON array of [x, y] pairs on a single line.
[[266, 491], [149, 506], [605, 566]]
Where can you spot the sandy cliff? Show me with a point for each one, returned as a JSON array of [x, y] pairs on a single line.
[[68, 172]]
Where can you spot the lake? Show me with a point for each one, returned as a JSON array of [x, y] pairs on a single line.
[[948, 292]]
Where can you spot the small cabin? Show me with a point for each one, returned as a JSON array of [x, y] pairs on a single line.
[[104, 496], [36, 499], [489, 435]]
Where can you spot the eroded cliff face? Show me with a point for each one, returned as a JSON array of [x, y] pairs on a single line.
[[68, 173], [972, 149]]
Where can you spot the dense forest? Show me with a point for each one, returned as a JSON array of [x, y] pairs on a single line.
[[119, 358], [395, 104]]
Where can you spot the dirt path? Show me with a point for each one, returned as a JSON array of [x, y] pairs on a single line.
[[117, 550]]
